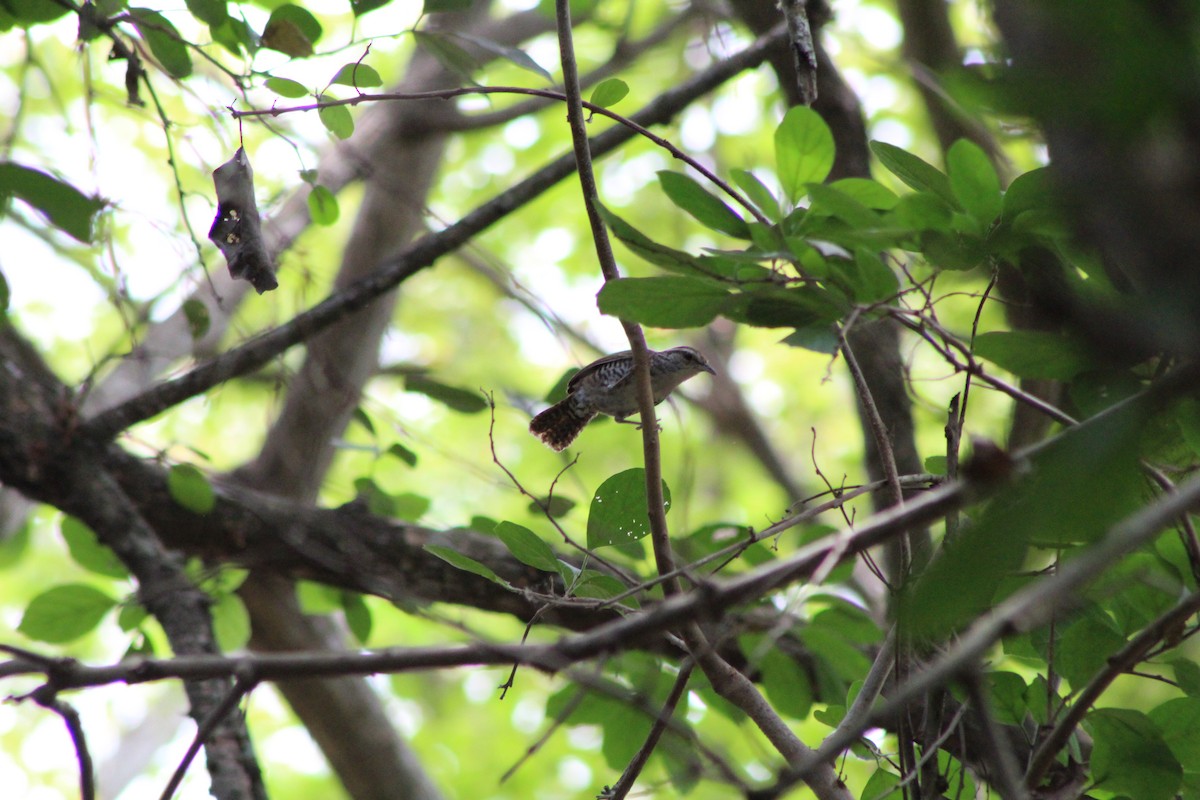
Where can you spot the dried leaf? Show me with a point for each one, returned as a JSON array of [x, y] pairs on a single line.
[[237, 230]]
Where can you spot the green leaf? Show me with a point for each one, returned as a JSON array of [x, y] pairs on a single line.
[[609, 92], [1030, 191], [658, 254], [434, 6], [913, 171], [131, 616], [829, 201], [291, 30], [758, 194], [189, 487], [1129, 755], [556, 506], [358, 75], [526, 547], [323, 205], [64, 613], [465, 563], [67, 208], [360, 7], [1055, 503], [402, 453], [869, 193], [87, 551], [358, 616], [663, 302], [231, 622], [212, 13], [461, 400], [285, 87], [873, 280], [1084, 646], [448, 53], [598, 586], [33, 12], [337, 120], [409, 506], [1034, 354], [785, 683], [4, 297], [1007, 694], [512, 54], [618, 510], [198, 318], [164, 41], [804, 150], [883, 785], [705, 207], [1179, 721], [936, 465], [818, 337], [1187, 675], [974, 181], [772, 307]]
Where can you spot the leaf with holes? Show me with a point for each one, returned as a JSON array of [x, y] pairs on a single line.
[[618, 511]]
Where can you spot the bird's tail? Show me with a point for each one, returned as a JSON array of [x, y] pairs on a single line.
[[559, 424]]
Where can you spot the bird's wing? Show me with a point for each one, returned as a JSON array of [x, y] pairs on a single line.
[[595, 366]]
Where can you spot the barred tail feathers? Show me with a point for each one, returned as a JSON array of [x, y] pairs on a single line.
[[559, 424]]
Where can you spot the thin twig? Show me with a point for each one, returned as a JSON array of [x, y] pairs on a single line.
[[47, 697], [634, 768], [240, 689], [1114, 666]]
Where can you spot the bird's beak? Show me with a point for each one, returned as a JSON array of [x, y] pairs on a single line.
[[708, 369]]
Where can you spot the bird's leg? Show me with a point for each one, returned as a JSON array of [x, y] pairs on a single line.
[[622, 420]]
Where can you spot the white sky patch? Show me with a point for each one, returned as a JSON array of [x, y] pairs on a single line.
[[480, 687], [738, 112], [880, 29], [623, 178], [522, 133], [294, 748], [745, 366], [585, 737], [765, 397], [696, 130], [893, 132], [574, 774], [880, 94], [528, 715]]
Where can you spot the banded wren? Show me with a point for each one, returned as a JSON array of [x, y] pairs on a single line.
[[608, 386]]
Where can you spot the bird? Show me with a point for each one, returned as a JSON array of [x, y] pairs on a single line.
[[607, 386]]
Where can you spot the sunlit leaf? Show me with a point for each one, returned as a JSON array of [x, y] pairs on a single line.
[[323, 206], [803, 150], [64, 613], [360, 76], [609, 92], [337, 120], [358, 616], [190, 488], [1034, 354], [231, 622], [974, 181], [88, 552], [285, 87], [465, 563]]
